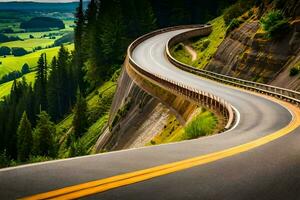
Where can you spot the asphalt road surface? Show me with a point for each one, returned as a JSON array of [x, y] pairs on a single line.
[[271, 171]]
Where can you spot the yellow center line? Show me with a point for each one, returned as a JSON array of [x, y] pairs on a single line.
[[105, 184]]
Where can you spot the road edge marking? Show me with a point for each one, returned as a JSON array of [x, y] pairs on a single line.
[[101, 185]]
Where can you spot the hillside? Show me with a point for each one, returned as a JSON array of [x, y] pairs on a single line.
[[248, 53], [11, 63]]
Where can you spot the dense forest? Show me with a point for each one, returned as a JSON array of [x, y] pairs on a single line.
[[102, 33], [42, 22]]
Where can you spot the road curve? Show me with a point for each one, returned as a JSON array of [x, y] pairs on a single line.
[[270, 171]]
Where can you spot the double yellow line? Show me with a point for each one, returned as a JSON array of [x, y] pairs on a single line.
[[102, 185]]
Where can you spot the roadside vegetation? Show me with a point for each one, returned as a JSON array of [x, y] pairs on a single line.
[[204, 46], [294, 71], [203, 124], [275, 24]]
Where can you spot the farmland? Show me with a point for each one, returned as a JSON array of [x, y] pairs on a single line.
[[11, 63], [34, 41]]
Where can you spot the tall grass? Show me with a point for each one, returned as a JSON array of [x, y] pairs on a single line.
[[202, 125]]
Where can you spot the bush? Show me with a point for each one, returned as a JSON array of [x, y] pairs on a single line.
[[4, 159], [203, 124], [204, 45], [25, 69], [5, 51], [294, 71], [18, 51], [274, 24], [4, 38]]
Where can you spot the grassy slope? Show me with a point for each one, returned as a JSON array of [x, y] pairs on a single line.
[[29, 44], [94, 100], [6, 87], [203, 124], [67, 23], [12, 63], [215, 38]]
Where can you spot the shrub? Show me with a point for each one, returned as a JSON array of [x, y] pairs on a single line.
[[5, 51], [4, 38], [18, 51], [204, 45], [4, 159], [203, 124], [294, 71], [274, 24], [25, 69]]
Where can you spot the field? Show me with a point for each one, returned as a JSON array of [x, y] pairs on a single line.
[[29, 44], [5, 87], [58, 33], [11, 63], [30, 40]]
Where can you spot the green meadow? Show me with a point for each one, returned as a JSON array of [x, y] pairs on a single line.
[[6, 87], [11, 63], [29, 44]]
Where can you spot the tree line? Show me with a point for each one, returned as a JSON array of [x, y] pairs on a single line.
[[106, 28], [31, 111]]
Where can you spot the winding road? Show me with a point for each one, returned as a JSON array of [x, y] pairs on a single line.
[[259, 158]]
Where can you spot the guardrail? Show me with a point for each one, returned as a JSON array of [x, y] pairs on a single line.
[[206, 99], [281, 93]]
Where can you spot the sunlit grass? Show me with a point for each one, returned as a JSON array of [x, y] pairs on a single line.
[[6, 87], [204, 55], [11, 63]]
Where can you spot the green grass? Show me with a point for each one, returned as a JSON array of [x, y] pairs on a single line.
[[11, 63], [26, 35], [203, 124], [98, 103], [91, 136], [29, 44], [204, 55], [6, 87], [181, 54]]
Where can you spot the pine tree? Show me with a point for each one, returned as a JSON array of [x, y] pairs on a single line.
[[79, 46], [80, 122], [44, 136], [41, 83], [52, 94], [65, 93], [24, 138]]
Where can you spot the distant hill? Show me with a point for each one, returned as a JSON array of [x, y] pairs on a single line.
[[35, 6], [42, 22]]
